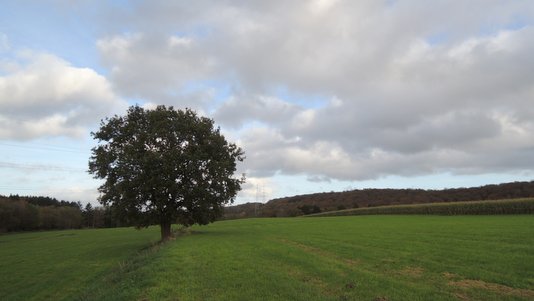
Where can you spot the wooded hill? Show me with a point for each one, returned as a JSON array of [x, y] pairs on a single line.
[[361, 198]]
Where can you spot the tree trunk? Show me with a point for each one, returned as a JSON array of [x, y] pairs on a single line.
[[165, 230]]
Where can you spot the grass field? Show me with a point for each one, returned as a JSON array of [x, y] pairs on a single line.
[[58, 265], [329, 258]]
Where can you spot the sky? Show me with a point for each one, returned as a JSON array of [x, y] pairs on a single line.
[[322, 95]]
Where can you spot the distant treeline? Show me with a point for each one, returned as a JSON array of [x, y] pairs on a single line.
[[43, 201], [490, 207], [28, 213], [331, 201]]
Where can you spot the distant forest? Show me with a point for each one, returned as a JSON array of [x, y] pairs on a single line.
[[28, 213], [330, 201]]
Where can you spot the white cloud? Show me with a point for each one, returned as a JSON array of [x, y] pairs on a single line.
[[256, 190], [321, 6], [42, 95], [311, 89], [73, 194], [416, 88]]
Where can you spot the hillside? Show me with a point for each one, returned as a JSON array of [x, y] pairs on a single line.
[[361, 198]]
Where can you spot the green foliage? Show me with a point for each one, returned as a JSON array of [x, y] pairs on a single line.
[[42, 201], [336, 258], [309, 209], [59, 218], [100, 217], [88, 216], [517, 206], [19, 215], [164, 165]]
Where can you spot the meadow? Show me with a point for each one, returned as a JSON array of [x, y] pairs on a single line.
[[374, 257]]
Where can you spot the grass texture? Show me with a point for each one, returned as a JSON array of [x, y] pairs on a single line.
[[393, 257], [58, 265]]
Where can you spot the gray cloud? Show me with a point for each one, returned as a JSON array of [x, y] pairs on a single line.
[[246, 108], [156, 67], [414, 87]]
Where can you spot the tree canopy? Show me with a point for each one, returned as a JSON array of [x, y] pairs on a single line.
[[163, 166]]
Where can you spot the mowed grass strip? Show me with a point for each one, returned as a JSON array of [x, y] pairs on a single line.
[[59, 265], [339, 258]]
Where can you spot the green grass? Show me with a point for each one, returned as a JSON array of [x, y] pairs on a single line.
[[58, 265], [328, 258]]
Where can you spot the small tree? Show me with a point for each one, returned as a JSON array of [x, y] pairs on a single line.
[[163, 166], [88, 216]]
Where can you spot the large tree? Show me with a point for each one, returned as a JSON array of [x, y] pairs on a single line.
[[164, 166]]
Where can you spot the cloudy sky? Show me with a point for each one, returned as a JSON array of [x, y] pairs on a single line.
[[322, 95]]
